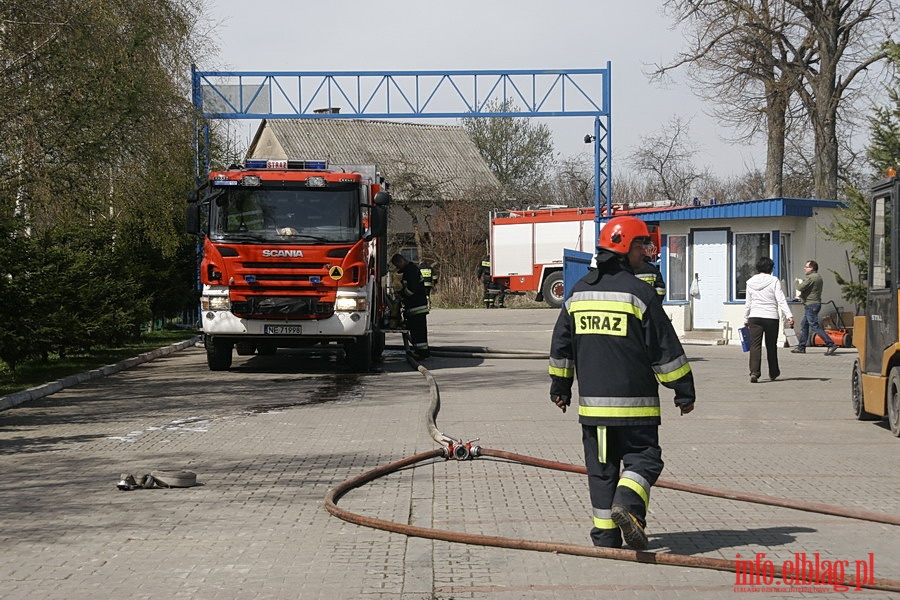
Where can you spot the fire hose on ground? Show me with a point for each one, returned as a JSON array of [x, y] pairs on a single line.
[[456, 448]]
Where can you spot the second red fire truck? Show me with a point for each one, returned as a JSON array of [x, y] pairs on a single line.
[[527, 247]]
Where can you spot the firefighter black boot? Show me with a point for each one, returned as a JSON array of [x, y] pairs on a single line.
[[632, 530]]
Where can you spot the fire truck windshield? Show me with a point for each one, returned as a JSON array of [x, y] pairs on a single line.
[[294, 216]]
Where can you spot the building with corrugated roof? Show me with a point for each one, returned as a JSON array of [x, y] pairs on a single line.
[[442, 154]]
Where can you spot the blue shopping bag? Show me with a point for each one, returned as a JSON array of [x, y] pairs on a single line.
[[745, 338]]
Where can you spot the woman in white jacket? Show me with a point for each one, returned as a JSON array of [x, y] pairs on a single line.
[[764, 300]]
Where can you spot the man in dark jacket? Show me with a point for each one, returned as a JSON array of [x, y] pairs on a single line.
[[613, 333], [415, 305]]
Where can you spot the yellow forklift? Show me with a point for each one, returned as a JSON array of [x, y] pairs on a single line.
[[875, 392]]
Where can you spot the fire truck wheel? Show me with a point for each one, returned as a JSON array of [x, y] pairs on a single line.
[[553, 289], [893, 401], [856, 395], [218, 355], [359, 354], [377, 346]]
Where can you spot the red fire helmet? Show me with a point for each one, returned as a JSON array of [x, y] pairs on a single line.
[[618, 233]]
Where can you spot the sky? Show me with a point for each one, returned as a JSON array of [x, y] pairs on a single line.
[[410, 35]]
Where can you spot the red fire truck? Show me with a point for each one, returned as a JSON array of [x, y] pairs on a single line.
[[293, 255], [527, 247]]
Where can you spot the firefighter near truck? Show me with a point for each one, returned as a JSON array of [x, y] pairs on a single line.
[[875, 383], [293, 255], [527, 246]]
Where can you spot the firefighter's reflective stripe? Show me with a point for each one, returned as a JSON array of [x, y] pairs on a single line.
[[637, 406], [672, 370], [485, 263], [607, 301], [562, 367], [603, 518], [601, 443], [651, 280], [417, 310], [637, 484]]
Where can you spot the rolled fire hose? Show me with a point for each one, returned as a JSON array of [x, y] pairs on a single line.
[[671, 559]]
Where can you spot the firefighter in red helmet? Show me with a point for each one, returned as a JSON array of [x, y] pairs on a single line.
[[613, 334]]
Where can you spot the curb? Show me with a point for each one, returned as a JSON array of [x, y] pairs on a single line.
[[46, 389]]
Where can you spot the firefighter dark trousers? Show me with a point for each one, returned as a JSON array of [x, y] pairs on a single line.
[[418, 334], [487, 297], [637, 450], [494, 294]]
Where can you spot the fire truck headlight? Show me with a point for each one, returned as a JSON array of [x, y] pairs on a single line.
[[350, 303], [215, 303]]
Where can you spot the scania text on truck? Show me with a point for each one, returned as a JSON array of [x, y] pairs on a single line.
[[293, 255], [875, 383]]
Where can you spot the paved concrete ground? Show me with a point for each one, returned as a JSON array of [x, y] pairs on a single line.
[[269, 438]]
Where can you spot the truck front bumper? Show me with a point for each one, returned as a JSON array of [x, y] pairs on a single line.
[[340, 326]]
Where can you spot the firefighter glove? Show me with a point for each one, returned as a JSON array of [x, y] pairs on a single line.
[[685, 404], [561, 391]]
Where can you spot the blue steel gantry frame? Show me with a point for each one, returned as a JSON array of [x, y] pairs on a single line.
[[409, 95]]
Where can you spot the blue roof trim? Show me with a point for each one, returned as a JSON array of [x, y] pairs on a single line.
[[772, 207]]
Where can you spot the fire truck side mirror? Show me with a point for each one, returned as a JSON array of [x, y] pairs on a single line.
[[381, 199], [192, 218]]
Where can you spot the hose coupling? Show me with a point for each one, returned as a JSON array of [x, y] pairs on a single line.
[[460, 450]]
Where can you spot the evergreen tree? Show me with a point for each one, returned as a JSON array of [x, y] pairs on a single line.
[[853, 227], [518, 151], [95, 145]]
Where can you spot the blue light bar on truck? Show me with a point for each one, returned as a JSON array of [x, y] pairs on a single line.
[[298, 165]]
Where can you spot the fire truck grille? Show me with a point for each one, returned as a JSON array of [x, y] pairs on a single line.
[[282, 306], [291, 266], [286, 277], [281, 273]]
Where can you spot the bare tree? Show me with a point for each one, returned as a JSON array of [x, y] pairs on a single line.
[[736, 188], [431, 203], [456, 245], [761, 60], [417, 195], [847, 37], [572, 181], [667, 156], [739, 56], [630, 188]]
